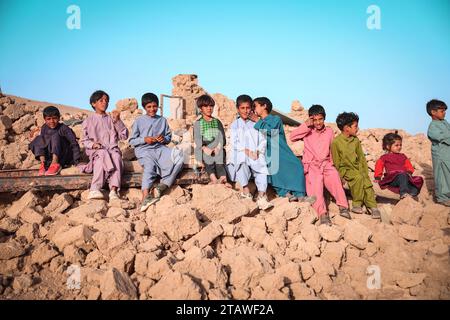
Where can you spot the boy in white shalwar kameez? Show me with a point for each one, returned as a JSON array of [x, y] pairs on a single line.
[[247, 157]]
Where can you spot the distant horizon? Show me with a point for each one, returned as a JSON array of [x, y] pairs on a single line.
[[381, 59]]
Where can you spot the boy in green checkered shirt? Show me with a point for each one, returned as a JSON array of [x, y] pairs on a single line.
[[209, 137]]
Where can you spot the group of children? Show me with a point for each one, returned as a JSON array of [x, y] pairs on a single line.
[[259, 150]]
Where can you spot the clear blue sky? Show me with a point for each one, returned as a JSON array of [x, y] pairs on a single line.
[[314, 51]]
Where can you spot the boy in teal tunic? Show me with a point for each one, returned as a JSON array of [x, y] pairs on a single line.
[[439, 135], [285, 170]]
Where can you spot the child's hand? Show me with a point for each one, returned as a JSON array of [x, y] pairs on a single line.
[[150, 140], [34, 133], [217, 150], [207, 150], [309, 122], [96, 146], [251, 154], [115, 115], [160, 138], [253, 117]]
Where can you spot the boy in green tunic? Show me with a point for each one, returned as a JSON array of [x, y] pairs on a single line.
[[286, 174], [349, 160], [439, 135]]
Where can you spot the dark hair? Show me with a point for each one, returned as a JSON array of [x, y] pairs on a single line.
[[389, 139], [346, 119], [97, 95], [316, 109], [434, 105], [243, 99], [205, 100], [264, 101], [149, 98], [51, 111]]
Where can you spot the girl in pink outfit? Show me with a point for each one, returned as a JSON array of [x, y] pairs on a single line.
[[101, 135], [318, 164]]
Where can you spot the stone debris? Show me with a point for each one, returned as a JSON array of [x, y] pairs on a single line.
[[203, 241]]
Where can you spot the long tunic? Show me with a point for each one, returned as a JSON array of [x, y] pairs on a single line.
[[240, 166], [394, 164], [318, 166], [285, 169], [105, 163], [350, 161], [157, 158], [60, 141], [439, 135]]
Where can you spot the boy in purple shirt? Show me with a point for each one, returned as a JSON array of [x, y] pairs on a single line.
[[101, 134]]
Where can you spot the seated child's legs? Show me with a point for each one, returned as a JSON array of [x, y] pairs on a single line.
[[149, 174], [38, 148], [369, 198], [55, 146], [261, 182], [314, 187], [177, 167], [243, 175], [115, 177], [357, 192], [210, 169], [402, 182], [333, 183]]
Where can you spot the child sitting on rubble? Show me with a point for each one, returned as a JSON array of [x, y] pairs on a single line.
[[56, 146], [101, 135], [209, 139], [150, 136], [319, 169], [285, 169], [247, 159], [350, 161], [397, 169]]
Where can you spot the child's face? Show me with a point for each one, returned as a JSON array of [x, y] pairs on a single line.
[[396, 147], [259, 109], [318, 121], [438, 114], [207, 110], [352, 129], [51, 121], [244, 110], [101, 105], [151, 109]]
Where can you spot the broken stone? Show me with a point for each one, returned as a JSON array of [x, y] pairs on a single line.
[[28, 200], [408, 280], [31, 216], [124, 260], [409, 232], [322, 266], [407, 211], [117, 285], [178, 222], [59, 204], [357, 235], [330, 234], [22, 282], [9, 250], [28, 231], [175, 286], [205, 236], [43, 254], [77, 236]]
